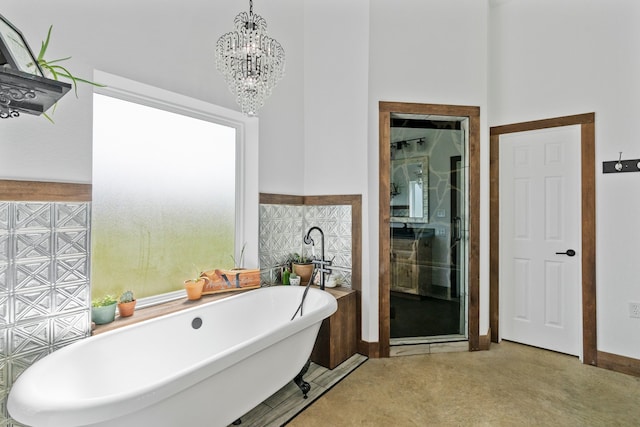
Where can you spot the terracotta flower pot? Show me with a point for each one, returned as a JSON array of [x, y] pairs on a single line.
[[194, 288], [126, 309], [304, 271]]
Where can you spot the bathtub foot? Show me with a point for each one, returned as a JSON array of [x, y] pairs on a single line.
[[237, 422], [304, 386]]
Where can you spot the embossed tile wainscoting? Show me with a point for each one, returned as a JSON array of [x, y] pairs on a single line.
[[282, 228], [44, 284]]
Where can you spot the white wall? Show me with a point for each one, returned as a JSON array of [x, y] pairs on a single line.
[[428, 52], [282, 119], [168, 44], [336, 103], [319, 129], [553, 58], [548, 58], [335, 96]]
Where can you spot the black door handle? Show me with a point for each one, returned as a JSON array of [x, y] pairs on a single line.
[[569, 252]]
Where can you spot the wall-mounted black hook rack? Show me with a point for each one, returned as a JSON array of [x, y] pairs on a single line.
[[619, 166]]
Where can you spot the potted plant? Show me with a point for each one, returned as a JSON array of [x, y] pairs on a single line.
[[302, 266], [127, 304], [103, 310], [294, 279], [195, 286]]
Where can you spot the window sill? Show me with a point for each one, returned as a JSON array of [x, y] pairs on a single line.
[[151, 312]]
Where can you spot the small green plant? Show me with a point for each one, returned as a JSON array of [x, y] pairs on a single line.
[[56, 70], [104, 301], [197, 276], [238, 265], [127, 296], [300, 259]]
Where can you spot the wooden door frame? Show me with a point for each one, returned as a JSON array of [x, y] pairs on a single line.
[[588, 203], [384, 260]]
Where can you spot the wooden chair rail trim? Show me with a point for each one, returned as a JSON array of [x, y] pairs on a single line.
[[42, 191]]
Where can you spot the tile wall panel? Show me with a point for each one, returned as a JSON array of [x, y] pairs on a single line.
[[282, 228], [44, 284]]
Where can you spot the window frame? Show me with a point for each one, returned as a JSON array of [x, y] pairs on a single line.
[[247, 193]]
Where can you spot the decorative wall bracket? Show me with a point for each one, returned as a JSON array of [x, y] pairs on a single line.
[[22, 92]]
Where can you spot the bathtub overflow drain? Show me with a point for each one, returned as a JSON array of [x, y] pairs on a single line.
[[196, 323]]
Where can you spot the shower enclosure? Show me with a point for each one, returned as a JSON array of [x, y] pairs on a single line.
[[428, 228]]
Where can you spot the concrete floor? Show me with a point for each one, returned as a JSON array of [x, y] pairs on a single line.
[[509, 385]]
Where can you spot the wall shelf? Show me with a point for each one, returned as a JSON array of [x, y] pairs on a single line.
[[22, 92]]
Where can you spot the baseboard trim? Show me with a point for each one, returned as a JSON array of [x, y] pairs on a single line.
[[369, 349], [484, 341], [615, 362]]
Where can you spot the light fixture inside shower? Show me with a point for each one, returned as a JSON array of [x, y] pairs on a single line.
[[398, 145]]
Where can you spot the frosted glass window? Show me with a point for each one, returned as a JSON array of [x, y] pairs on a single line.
[[164, 197]]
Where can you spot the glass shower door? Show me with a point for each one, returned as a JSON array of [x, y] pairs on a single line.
[[429, 231]]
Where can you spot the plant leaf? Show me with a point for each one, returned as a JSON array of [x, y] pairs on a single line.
[[58, 71], [66, 73], [45, 45], [49, 118], [78, 79], [58, 60]]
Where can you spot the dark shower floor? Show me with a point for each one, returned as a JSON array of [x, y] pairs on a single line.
[[414, 316]]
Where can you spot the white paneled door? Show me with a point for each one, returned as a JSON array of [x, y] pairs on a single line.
[[540, 239]]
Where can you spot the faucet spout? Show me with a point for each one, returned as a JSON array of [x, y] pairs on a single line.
[[322, 263], [307, 237]]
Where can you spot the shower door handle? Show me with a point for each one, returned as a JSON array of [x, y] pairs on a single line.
[[457, 228]]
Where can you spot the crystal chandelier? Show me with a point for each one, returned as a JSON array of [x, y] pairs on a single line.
[[252, 62]]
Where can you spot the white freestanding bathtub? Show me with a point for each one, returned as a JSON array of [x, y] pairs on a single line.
[[204, 366]]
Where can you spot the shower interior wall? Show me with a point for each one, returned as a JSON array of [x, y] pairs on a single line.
[[439, 146]]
